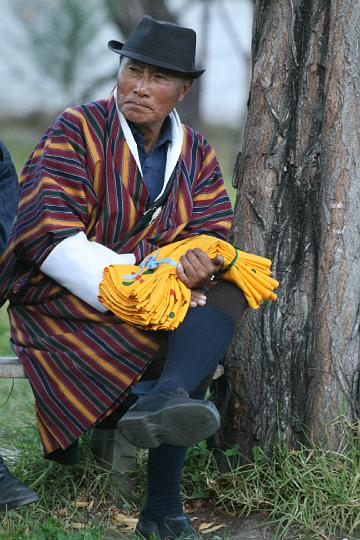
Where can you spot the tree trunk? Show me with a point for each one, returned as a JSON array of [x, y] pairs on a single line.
[[295, 363]]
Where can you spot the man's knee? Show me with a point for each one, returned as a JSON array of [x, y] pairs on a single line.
[[228, 298]]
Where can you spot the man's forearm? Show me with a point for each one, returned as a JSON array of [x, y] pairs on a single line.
[[78, 265]]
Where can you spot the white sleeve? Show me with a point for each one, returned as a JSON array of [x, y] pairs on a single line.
[[78, 265]]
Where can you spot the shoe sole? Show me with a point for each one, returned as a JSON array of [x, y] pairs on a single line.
[[14, 505], [152, 530], [181, 424]]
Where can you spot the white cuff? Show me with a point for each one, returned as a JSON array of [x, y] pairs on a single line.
[[78, 265]]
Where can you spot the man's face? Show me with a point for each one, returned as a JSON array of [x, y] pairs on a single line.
[[147, 94]]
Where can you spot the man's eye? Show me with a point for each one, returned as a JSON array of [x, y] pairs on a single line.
[[161, 76], [133, 69]]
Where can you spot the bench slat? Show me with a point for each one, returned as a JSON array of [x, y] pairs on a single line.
[[11, 368]]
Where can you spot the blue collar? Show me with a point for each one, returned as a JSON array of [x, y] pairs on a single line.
[[165, 135]]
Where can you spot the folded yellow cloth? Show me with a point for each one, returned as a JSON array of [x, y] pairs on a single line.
[[152, 296]]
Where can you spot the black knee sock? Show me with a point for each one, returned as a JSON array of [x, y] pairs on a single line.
[[165, 466], [195, 348]]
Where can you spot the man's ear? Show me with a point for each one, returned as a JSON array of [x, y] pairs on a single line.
[[186, 85]]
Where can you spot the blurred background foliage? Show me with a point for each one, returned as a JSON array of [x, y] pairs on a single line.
[[55, 55]]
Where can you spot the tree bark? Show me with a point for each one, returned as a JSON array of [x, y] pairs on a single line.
[[295, 364]]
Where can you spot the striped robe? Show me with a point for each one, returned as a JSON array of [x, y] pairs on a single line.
[[83, 177]]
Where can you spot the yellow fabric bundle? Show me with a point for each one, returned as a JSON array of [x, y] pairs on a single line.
[[151, 295]]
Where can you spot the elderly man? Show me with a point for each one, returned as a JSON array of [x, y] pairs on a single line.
[[13, 493], [109, 182]]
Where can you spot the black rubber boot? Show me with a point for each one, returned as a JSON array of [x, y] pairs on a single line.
[[13, 493]]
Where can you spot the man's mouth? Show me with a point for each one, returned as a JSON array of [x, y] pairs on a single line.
[[138, 105]]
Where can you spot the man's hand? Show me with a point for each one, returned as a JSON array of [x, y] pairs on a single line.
[[196, 268], [197, 298]]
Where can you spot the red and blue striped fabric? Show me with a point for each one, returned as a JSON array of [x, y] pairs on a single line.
[[83, 177]]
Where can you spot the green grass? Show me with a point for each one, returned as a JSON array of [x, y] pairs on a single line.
[[75, 502], [20, 150], [21, 141], [5, 348], [310, 493]]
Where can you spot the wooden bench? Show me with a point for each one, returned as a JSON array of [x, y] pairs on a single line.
[[109, 447], [11, 368]]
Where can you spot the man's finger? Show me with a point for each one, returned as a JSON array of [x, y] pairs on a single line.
[[192, 267], [181, 274], [196, 261], [218, 261], [198, 297], [205, 260]]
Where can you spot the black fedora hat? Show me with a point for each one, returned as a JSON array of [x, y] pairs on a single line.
[[162, 44]]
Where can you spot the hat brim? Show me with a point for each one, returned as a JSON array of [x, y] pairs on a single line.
[[117, 47]]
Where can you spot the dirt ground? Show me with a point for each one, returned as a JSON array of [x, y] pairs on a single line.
[[212, 523], [255, 527]]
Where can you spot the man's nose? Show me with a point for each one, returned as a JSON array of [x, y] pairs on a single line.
[[142, 86]]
